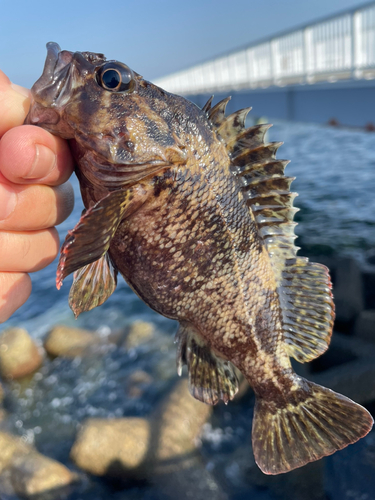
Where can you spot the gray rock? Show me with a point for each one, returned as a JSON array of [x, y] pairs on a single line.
[[353, 372], [369, 285], [6, 488], [19, 355], [3, 415], [351, 473], [364, 326], [69, 342], [348, 290], [194, 482], [305, 483]]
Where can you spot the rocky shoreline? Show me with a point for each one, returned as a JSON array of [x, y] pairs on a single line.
[[170, 449]]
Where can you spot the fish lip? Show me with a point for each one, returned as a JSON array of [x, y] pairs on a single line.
[[57, 78], [53, 50]]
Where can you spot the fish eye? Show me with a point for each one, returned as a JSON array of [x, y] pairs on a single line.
[[115, 77]]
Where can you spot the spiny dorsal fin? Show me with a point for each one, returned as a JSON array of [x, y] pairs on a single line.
[[210, 377], [304, 288], [206, 108], [233, 124], [217, 114]]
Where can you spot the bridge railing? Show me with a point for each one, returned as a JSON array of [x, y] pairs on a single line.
[[340, 47]]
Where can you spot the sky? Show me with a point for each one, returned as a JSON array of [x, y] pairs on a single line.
[[154, 38]]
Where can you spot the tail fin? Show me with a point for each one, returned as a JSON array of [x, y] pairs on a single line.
[[314, 422]]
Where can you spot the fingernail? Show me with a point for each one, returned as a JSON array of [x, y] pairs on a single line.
[[44, 162], [20, 90], [8, 201]]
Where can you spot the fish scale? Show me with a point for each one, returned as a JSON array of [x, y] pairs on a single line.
[[195, 212]]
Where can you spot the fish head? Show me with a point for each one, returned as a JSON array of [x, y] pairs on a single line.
[[106, 107]]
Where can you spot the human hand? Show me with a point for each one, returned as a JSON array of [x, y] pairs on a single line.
[[34, 196]]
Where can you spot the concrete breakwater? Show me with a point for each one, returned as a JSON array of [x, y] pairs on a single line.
[[350, 103]]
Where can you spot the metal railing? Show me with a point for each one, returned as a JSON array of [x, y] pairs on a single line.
[[340, 47]]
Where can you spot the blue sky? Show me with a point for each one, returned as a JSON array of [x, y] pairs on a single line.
[[153, 37]]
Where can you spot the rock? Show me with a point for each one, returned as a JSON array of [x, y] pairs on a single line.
[[11, 446], [6, 489], [350, 473], [369, 284], [140, 377], [178, 469], [70, 342], [348, 290], [351, 370], [305, 483], [19, 355], [136, 447], [28, 471], [111, 447], [194, 482], [178, 422], [138, 381], [33, 473], [364, 326], [140, 332]]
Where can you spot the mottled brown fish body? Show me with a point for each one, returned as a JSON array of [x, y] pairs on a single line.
[[209, 268], [196, 213]]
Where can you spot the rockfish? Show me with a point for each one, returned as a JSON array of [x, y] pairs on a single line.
[[195, 212]]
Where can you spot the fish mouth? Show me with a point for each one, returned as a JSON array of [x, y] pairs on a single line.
[[56, 79], [51, 92]]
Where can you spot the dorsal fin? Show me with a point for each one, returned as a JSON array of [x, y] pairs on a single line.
[[216, 115], [206, 108], [233, 124], [304, 288]]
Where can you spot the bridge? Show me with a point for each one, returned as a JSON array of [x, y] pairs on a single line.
[[334, 56]]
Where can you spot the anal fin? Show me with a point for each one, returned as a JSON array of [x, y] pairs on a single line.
[[211, 378], [92, 285]]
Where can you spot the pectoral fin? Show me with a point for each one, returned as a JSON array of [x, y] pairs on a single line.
[[91, 237], [92, 285]]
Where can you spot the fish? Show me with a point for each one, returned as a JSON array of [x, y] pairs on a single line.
[[194, 210]]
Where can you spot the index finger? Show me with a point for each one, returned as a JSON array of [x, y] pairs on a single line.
[[14, 104], [28, 154]]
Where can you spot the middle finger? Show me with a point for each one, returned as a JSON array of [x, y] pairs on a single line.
[[33, 207], [27, 252]]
